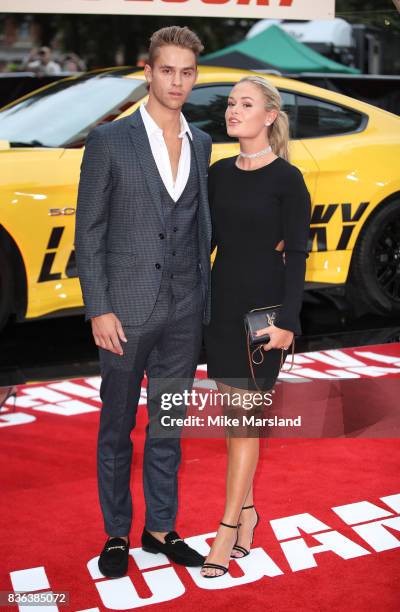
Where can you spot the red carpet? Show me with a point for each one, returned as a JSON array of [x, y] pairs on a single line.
[[338, 549]]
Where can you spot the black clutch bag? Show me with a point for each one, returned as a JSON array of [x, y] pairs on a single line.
[[257, 319]]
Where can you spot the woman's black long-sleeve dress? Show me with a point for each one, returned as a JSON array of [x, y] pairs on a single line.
[[251, 212]]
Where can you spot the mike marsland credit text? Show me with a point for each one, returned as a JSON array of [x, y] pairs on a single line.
[[225, 421]]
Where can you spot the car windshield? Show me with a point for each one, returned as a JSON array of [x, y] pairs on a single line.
[[63, 114]]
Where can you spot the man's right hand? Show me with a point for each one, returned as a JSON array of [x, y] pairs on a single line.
[[107, 332]]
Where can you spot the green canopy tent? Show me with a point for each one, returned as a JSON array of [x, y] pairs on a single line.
[[276, 49]]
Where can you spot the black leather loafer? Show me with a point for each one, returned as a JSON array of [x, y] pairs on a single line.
[[174, 548], [113, 560]]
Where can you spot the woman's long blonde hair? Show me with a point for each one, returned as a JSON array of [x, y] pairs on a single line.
[[278, 131]]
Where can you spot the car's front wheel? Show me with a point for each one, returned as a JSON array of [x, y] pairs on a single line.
[[374, 278]]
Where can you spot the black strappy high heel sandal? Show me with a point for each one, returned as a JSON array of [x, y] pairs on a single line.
[[216, 565], [241, 549]]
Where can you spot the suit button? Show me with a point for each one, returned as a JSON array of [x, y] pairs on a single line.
[[175, 229], [161, 236], [158, 266], [172, 276], [174, 253]]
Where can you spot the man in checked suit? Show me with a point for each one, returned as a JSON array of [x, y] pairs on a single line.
[[142, 243]]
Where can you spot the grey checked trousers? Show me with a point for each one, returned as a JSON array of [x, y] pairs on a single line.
[[167, 346]]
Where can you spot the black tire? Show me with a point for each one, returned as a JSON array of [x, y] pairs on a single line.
[[6, 291], [374, 280]]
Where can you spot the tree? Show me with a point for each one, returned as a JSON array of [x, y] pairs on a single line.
[[98, 37], [381, 13]]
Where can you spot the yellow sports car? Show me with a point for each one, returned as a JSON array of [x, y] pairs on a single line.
[[349, 153]]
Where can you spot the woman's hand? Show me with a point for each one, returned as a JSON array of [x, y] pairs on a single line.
[[278, 338]]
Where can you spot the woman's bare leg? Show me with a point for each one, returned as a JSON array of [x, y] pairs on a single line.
[[243, 455], [248, 521]]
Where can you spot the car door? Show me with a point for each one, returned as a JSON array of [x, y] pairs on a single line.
[[332, 135]]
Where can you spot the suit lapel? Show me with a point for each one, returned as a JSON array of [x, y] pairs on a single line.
[[150, 171], [204, 218], [199, 158], [202, 172]]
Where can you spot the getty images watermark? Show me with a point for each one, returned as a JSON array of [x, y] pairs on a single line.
[[323, 408], [240, 410]]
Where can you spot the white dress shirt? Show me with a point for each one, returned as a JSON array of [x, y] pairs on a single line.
[[161, 157]]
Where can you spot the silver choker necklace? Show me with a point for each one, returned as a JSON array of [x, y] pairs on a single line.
[[254, 155]]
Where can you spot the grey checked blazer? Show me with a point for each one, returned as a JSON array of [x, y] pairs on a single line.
[[119, 218]]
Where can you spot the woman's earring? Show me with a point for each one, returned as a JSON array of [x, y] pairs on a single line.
[[267, 124]]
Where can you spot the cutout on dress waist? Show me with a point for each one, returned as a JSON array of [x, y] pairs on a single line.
[[280, 250]]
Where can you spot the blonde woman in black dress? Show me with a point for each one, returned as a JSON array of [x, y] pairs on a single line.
[[260, 209]]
